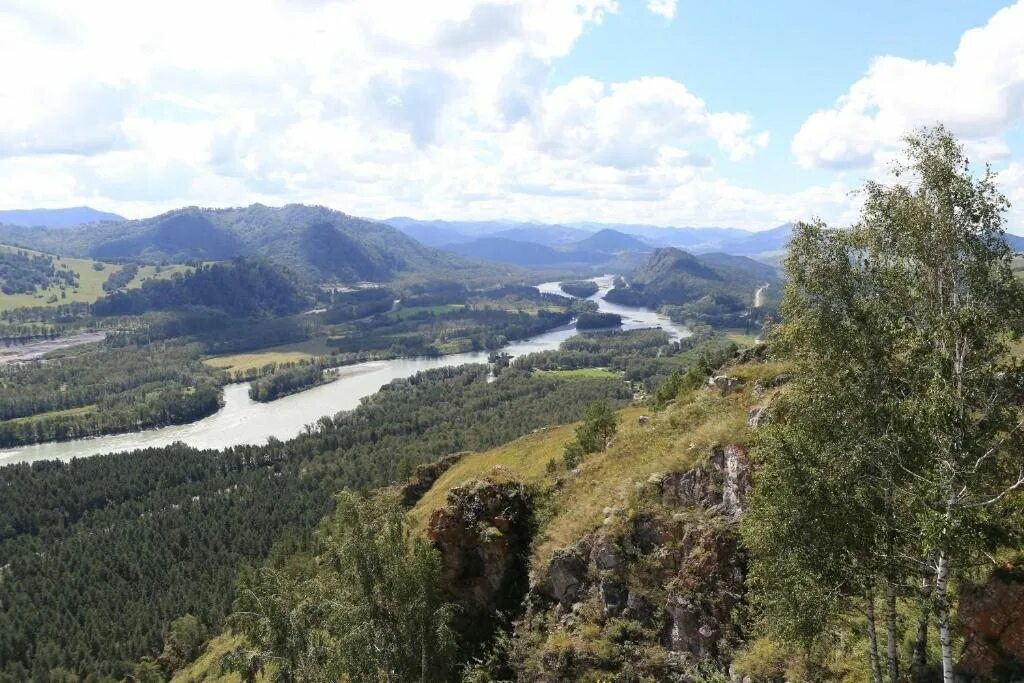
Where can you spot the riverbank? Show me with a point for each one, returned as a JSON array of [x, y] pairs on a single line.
[[244, 421]]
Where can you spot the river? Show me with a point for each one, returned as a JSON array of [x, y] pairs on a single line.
[[244, 421]]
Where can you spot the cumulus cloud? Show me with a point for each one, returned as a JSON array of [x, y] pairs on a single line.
[[375, 107], [663, 8], [637, 123], [979, 95]]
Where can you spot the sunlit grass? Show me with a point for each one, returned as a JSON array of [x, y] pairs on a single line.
[[284, 353], [206, 667]]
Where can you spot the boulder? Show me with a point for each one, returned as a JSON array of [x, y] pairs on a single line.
[[724, 384], [566, 579]]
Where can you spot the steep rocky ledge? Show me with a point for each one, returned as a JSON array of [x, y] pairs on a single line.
[[656, 590]]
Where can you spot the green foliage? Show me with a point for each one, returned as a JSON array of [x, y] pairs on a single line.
[[100, 389], [897, 445], [101, 553], [184, 639], [580, 288], [589, 321], [599, 425], [120, 278], [285, 382], [713, 289], [240, 288], [375, 607], [23, 273], [484, 321]]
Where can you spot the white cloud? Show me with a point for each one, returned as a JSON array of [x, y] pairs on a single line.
[[375, 107], [637, 123], [979, 95], [663, 8]]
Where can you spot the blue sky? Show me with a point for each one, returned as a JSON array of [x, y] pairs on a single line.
[[667, 112], [778, 60]]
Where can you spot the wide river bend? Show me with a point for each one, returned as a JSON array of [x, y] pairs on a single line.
[[244, 421]]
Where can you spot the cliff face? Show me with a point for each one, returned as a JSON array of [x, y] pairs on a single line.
[[655, 592], [625, 568], [483, 533]]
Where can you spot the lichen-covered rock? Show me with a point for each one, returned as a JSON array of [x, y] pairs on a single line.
[[736, 481], [721, 484], [703, 595], [483, 534]]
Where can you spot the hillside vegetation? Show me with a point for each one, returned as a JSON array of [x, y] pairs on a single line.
[[842, 503], [316, 242], [712, 289]]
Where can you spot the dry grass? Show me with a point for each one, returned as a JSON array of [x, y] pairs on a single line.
[[285, 353], [677, 438], [206, 667], [524, 459]]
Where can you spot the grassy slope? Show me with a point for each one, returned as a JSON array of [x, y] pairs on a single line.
[[206, 667], [674, 439], [90, 282]]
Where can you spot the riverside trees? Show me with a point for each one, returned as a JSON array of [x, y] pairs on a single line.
[[901, 436]]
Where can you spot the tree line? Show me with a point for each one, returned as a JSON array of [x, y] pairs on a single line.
[[891, 469]]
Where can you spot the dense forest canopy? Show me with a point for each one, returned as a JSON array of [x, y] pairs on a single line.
[[149, 536], [241, 288]]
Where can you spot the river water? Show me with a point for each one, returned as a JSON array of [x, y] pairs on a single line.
[[244, 421]]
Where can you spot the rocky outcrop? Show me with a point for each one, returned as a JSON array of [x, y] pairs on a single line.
[[724, 383], [721, 484], [424, 477], [668, 573], [992, 617], [483, 534], [704, 593]]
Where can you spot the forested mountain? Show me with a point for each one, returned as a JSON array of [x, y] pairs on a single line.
[[315, 242], [611, 241], [531, 248], [56, 218], [239, 288], [528, 254], [438, 233], [673, 276], [551, 235]]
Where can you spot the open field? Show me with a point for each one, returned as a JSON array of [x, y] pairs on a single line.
[[583, 372], [90, 281], [285, 353]]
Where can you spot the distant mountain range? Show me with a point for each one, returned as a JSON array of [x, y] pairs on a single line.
[[607, 247], [444, 234], [313, 241], [57, 218]]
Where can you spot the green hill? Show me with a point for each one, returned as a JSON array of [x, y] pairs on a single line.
[[318, 243], [711, 289]]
